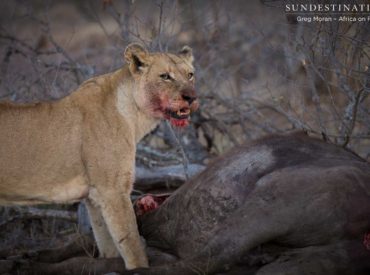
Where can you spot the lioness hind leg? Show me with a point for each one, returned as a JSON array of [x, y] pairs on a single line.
[[106, 246]]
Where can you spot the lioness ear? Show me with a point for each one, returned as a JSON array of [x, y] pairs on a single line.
[[187, 53], [136, 56]]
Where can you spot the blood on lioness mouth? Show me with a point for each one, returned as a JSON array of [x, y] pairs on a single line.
[[179, 122], [179, 118]]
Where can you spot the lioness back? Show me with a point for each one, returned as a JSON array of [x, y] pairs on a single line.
[[34, 157], [40, 147]]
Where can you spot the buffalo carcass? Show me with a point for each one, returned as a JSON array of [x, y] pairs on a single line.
[[279, 205]]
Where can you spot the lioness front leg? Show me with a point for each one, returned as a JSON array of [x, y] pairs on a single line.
[[110, 171], [118, 214], [106, 246]]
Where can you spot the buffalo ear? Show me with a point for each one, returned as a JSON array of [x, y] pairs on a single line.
[[187, 53], [137, 57]]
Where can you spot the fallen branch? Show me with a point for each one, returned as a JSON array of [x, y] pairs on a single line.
[[168, 177], [36, 213], [77, 265], [79, 245]]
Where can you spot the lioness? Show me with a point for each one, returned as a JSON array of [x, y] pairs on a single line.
[[83, 146]]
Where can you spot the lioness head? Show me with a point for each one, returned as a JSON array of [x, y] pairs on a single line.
[[165, 83]]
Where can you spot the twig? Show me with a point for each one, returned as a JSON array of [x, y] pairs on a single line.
[[351, 117], [185, 160], [160, 25]]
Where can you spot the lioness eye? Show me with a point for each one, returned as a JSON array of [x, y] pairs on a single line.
[[190, 75], [165, 76]]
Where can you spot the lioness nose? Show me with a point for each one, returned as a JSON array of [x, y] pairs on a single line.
[[188, 95]]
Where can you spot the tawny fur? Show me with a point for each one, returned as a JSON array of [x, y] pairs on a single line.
[[83, 146]]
